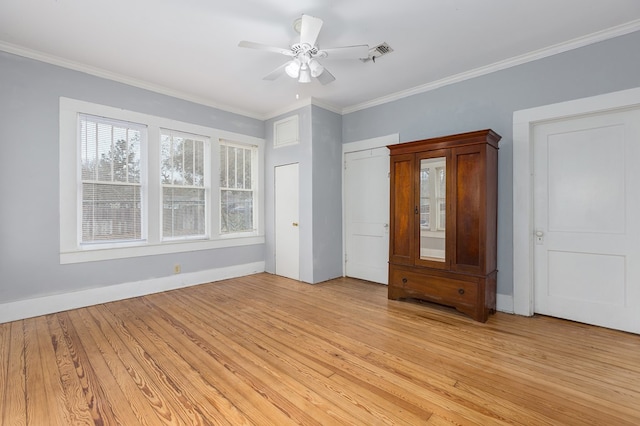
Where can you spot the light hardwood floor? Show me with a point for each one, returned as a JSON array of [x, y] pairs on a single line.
[[266, 350]]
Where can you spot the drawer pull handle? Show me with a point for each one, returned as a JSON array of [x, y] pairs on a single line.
[[461, 290], [404, 280]]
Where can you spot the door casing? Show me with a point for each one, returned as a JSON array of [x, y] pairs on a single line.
[[523, 214], [361, 145]]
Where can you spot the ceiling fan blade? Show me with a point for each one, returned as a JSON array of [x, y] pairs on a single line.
[[260, 46], [276, 73], [309, 30], [347, 52], [326, 77]]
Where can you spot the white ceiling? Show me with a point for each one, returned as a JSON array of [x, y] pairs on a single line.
[[188, 48]]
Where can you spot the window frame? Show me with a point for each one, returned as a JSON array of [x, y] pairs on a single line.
[[142, 184], [71, 251], [206, 185], [254, 181]]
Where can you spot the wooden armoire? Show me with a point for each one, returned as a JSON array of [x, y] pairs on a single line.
[[443, 221]]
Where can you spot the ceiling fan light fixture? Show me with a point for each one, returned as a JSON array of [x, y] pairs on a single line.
[[305, 75], [316, 68], [304, 53], [293, 69]]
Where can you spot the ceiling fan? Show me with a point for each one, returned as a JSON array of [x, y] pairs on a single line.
[[304, 55]]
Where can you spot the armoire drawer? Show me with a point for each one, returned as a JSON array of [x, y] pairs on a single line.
[[435, 288]]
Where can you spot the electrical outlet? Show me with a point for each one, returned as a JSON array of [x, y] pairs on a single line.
[[176, 268]]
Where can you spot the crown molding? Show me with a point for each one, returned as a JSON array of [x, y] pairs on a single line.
[[301, 104], [325, 105], [575, 43], [109, 75], [289, 108]]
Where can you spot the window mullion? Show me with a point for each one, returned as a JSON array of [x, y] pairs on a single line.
[[95, 169], [111, 156], [153, 184], [182, 157], [226, 167], [126, 158], [257, 194], [247, 153], [235, 168], [242, 168], [172, 166]]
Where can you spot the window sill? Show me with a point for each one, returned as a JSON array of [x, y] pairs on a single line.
[[99, 253]]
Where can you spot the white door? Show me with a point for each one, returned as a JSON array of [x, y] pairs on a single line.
[[287, 239], [367, 214], [587, 219]]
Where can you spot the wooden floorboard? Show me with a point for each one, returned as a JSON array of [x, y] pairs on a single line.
[[266, 350]]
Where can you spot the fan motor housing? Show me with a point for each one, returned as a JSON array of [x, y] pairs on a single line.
[[300, 48]]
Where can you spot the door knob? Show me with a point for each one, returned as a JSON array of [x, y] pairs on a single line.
[[539, 233], [295, 224]]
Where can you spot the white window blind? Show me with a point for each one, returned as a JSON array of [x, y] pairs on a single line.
[[237, 187], [184, 185], [111, 152]]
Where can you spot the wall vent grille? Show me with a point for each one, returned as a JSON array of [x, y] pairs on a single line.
[[377, 51]]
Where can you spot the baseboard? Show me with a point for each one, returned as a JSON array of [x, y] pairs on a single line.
[[504, 303], [28, 308]]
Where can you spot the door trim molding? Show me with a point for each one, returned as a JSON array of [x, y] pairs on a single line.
[[350, 147], [523, 123]]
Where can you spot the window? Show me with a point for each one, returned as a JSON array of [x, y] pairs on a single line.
[[184, 185], [134, 184], [237, 172], [111, 168]]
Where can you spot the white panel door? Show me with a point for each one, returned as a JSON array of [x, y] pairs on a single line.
[[587, 219], [287, 235], [367, 214]]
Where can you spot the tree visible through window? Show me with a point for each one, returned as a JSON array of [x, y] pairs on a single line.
[[184, 186], [237, 163], [111, 187]]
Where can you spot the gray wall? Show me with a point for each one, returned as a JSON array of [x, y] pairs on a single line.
[[29, 206], [489, 102], [300, 153], [319, 155], [327, 194]]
